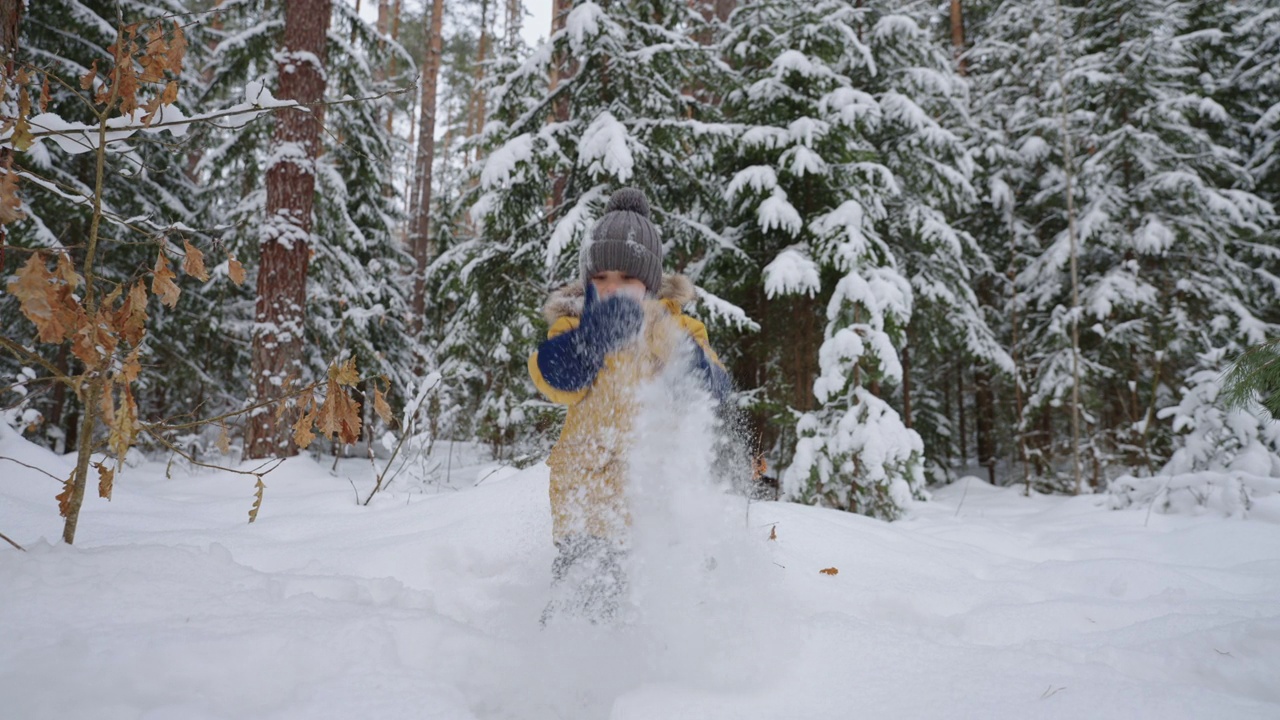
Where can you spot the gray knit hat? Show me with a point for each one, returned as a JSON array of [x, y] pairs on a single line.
[[625, 241]]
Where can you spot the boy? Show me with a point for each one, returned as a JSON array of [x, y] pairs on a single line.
[[619, 327]]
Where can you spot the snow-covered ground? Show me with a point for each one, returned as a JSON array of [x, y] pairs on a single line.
[[983, 604]]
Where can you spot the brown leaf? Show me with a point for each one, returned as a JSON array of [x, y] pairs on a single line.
[[37, 295], [66, 272], [257, 500], [64, 497], [193, 263], [131, 319], [345, 373], [44, 93], [10, 203], [150, 109], [773, 533], [22, 79], [124, 426], [224, 441], [235, 271], [131, 367], [177, 49], [94, 340], [125, 78], [339, 415], [22, 139], [381, 407], [829, 571], [155, 56], [162, 284], [86, 81], [170, 94], [302, 434], [106, 480]]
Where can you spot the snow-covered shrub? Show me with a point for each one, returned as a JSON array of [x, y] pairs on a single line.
[[1226, 457]]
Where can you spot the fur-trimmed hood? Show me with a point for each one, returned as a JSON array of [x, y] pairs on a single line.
[[567, 301]]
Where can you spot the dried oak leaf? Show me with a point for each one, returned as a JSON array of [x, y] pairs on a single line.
[[64, 497], [381, 407], [106, 480], [177, 49], [829, 571], [131, 318], [35, 291], [345, 373], [193, 263], [124, 427], [257, 500], [339, 415], [131, 367], [162, 284], [94, 340], [235, 271], [10, 203], [86, 80], [155, 57], [302, 434]]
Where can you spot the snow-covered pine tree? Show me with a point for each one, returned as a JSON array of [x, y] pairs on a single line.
[[1163, 235], [357, 297], [1011, 58], [922, 136], [146, 182], [809, 193], [619, 112]]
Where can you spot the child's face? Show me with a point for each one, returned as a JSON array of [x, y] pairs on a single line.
[[612, 282]]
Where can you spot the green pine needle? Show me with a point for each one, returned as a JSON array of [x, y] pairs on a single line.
[[1255, 377]]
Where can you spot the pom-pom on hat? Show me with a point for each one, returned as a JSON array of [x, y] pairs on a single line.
[[625, 241]]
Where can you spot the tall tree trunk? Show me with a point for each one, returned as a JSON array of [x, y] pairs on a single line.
[[962, 444], [984, 409], [285, 240], [515, 20], [957, 36], [476, 119], [420, 222], [10, 21], [562, 66], [393, 27], [906, 380]]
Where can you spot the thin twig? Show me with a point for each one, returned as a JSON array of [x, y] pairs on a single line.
[[31, 467], [32, 357], [6, 539], [256, 472]]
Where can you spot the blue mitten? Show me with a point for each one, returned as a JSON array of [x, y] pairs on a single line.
[[571, 360], [713, 377]]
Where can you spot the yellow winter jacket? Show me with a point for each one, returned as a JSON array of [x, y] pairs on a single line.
[[588, 463]]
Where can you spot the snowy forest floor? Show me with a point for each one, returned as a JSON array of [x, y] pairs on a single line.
[[982, 604]]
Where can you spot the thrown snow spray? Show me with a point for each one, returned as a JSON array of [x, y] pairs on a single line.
[[700, 613]]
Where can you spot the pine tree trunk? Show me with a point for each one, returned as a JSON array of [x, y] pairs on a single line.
[[957, 36], [984, 408], [393, 28], [10, 21], [285, 249], [906, 380], [420, 222], [514, 21], [962, 444], [562, 66], [476, 121]]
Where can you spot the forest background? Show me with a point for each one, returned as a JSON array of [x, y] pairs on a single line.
[[928, 237]]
